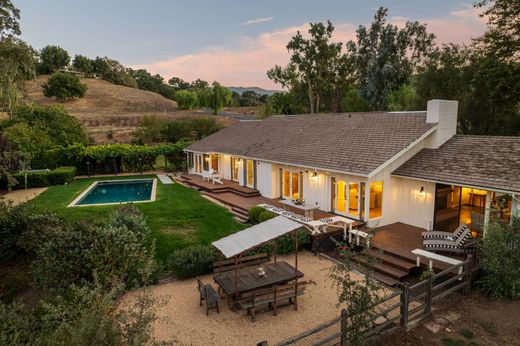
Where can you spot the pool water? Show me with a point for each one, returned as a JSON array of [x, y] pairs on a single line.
[[118, 192]]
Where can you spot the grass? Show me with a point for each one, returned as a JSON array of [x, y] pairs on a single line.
[[179, 217]]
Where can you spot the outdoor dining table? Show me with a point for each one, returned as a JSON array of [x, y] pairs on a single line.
[[248, 279]]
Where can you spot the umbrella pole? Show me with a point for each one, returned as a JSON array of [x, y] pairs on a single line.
[[296, 273]]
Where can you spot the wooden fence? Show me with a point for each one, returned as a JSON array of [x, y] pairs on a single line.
[[402, 310]]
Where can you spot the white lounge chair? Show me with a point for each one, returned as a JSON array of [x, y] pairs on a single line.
[[216, 179], [206, 176]]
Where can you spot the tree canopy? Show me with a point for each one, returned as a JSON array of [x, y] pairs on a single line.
[[53, 59], [385, 57], [64, 86], [215, 98], [9, 17]]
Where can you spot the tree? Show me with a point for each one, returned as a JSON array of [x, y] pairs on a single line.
[[402, 99], [9, 17], [249, 98], [52, 59], [83, 64], [199, 84], [502, 37], [146, 81], [215, 98], [353, 102], [310, 63], [149, 129], [112, 71], [60, 126], [24, 138], [385, 57], [186, 99], [178, 84], [17, 65], [64, 86], [284, 103], [11, 161]]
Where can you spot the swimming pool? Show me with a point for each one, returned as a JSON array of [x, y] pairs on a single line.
[[116, 192]]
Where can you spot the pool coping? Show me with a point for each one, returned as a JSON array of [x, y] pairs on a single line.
[[95, 183]]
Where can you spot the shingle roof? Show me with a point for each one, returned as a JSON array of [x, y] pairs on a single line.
[[354, 143], [482, 161]]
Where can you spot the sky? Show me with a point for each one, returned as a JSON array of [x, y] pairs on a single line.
[[233, 42]]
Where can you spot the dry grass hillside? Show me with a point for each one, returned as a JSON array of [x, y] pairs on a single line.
[[109, 110]]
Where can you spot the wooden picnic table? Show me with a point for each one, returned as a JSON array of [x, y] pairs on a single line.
[[248, 279]]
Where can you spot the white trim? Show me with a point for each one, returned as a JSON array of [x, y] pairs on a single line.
[[403, 151], [94, 184]]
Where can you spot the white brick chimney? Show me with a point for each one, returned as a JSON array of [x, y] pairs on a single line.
[[443, 113]]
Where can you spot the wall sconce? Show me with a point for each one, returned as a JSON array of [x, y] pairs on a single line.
[[314, 177], [422, 189]]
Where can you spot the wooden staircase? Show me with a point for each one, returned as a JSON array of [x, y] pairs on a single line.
[[388, 268]]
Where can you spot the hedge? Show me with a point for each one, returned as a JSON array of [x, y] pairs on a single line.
[[124, 157], [58, 176]]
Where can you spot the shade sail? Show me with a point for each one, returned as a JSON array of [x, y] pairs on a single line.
[[256, 235]]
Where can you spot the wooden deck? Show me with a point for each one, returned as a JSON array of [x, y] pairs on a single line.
[[399, 239]]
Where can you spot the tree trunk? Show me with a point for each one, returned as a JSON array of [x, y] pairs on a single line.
[[311, 98]]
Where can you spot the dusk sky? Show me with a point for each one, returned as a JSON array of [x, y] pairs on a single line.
[[229, 41]]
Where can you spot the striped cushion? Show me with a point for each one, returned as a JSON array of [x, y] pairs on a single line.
[[269, 206], [326, 220], [278, 210]]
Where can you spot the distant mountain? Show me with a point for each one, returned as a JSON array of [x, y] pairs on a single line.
[[257, 90]]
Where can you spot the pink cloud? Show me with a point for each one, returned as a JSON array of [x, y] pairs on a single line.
[[246, 64]]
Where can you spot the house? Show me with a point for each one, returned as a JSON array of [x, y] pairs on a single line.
[[376, 167]]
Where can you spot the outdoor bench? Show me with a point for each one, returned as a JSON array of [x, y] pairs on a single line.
[[271, 297]]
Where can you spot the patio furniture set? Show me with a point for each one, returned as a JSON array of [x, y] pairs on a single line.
[[212, 176]]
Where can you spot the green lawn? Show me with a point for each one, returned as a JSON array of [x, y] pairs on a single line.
[[179, 216]]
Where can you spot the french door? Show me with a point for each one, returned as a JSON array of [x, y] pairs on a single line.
[[291, 185], [347, 201]]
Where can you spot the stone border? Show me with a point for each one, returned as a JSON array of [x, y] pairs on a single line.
[[94, 184]]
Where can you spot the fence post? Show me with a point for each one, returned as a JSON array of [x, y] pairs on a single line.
[[405, 300], [469, 274], [344, 327], [428, 298]]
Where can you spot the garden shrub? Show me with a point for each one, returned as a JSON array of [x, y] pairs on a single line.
[[58, 176], [254, 214], [191, 261], [22, 229], [116, 249], [500, 260]]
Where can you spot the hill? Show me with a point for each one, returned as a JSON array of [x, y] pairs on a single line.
[[257, 90], [111, 112]]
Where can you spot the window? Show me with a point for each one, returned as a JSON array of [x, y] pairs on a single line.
[[205, 162], [214, 162], [376, 199], [250, 172], [235, 164]]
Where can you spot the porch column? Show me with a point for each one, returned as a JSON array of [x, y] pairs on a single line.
[[489, 195], [367, 200], [244, 172], [255, 174]]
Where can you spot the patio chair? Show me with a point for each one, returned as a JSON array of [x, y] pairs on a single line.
[[208, 294], [462, 243], [444, 235], [206, 176], [217, 179]]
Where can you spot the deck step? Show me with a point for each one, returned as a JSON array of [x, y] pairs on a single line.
[[240, 211], [385, 279], [382, 268], [240, 218], [393, 261]]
